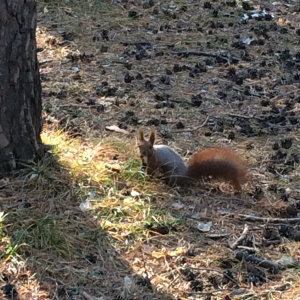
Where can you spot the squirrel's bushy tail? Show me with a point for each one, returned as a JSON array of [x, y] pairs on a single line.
[[218, 163]]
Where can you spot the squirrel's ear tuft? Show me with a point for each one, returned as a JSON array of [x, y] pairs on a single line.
[[141, 135], [152, 135]]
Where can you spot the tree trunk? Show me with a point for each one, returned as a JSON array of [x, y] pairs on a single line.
[[20, 86]]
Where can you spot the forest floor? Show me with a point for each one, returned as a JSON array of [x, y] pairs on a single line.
[[85, 223]]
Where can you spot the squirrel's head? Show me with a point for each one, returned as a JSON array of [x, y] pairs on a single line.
[[146, 146]]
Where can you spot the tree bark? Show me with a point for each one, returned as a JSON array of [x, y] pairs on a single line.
[[20, 86]]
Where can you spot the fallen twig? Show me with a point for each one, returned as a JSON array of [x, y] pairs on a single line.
[[192, 129], [215, 236], [89, 297], [266, 264], [45, 61], [263, 219], [117, 129], [250, 94], [245, 117], [221, 58], [143, 44], [206, 293], [272, 242], [77, 106], [241, 238]]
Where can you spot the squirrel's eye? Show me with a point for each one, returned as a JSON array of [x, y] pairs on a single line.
[[150, 147]]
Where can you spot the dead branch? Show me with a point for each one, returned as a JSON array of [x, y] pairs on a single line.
[[206, 293], [221, 58], [215, 236], [241, 238], [45, 61], [263, 219], [192, 129], [183, 101], [266, 264], [272, 242], [251, 94], [137, 44], [77, 106], [245, 117], [89, 297]]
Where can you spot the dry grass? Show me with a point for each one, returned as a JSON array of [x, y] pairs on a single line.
[[77, 205]]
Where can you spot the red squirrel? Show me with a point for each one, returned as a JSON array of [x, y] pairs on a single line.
[[165, 162]]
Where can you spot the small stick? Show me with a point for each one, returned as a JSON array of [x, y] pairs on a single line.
[[89, 297], [222, 58], [264, 263], [136, 43], [215, 236], [77, 106], [241, 238], [263, 219], [45, 61], [192, 129], [245, 117]]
